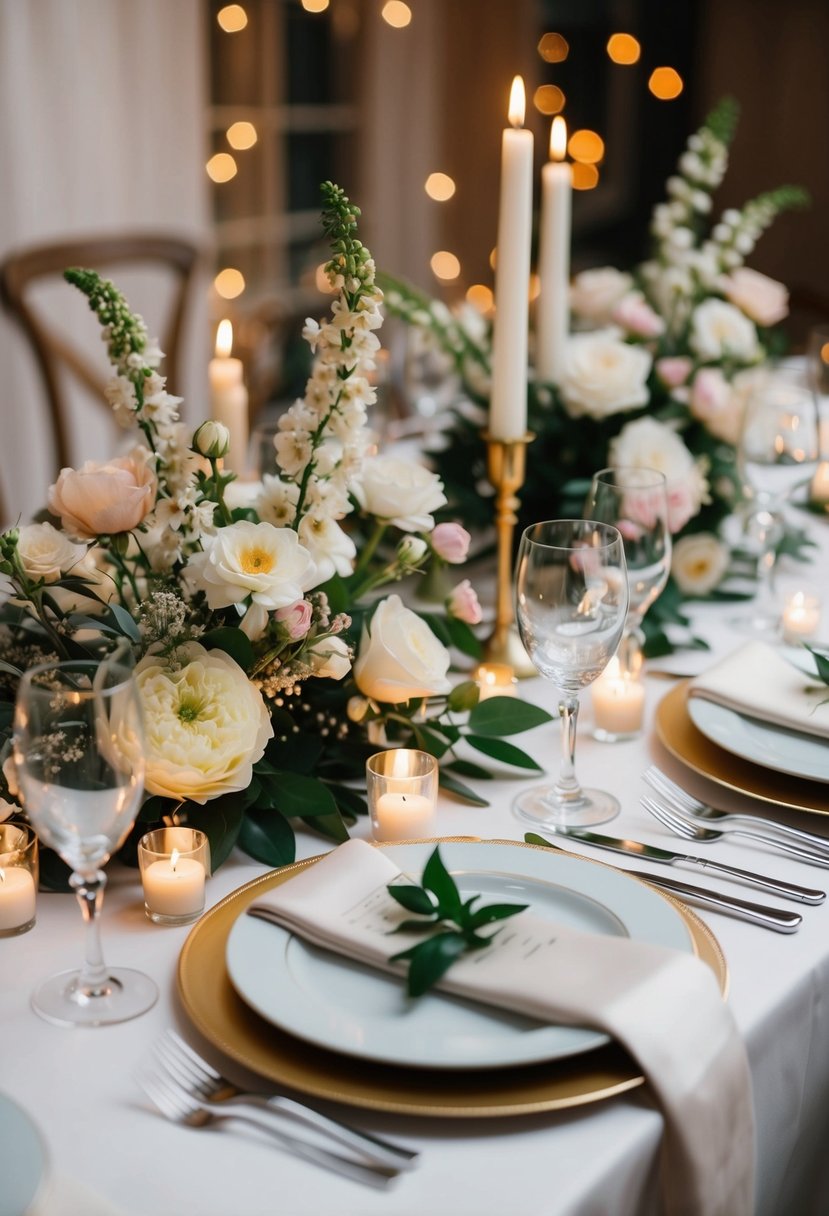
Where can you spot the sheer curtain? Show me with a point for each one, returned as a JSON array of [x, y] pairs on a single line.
[[102, 108]]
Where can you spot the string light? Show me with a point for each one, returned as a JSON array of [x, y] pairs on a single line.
[[229, 283], [586, 147], [445, 266], [232, 18], [440, 187], [221, 167], [553, 48], [480, 296], [585, 177], [665, 83], [315, 6], [623, 48], [549, 99], [396, 14]]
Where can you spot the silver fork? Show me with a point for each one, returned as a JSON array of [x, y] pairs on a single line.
[[204, 1083], [728, 820], [180, 1107], [675, 822]]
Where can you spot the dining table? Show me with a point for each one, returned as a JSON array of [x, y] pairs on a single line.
[[106, 1142]]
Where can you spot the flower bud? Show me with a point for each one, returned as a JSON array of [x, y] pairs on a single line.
[[411, 551], [212, 439]]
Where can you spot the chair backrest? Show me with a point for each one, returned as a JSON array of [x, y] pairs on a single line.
[[20, 271]]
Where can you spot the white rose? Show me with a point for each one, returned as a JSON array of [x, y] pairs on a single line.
[[399, 656], [212, 439], [257, 560], [595, 293], [699, 563], [401, 492], [45, 552], [603, 375], [763, 299], [330, 658], [720, 331], [648, 444], [206, 725]]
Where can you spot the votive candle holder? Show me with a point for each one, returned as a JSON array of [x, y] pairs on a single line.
[[402, 790], [174, 864], [19, 873]]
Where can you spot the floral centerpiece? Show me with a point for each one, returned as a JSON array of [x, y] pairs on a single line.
[[656, 371], [268, 660]]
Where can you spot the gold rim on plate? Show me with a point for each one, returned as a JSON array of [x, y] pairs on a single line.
[[222, 1017], [686, 743]]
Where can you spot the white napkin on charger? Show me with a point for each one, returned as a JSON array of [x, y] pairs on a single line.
[[662, 1005], [758, 682]]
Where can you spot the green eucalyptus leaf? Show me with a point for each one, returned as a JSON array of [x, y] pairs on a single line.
[[462, 637], [430, 960], [268, 837], [821, 662], [460, 790], [304, 797], [468, 768], [463, 696], [125, 622], [506, 716], [494, 912], [413, 899], [331, 826], [507, 753], [438, 880]]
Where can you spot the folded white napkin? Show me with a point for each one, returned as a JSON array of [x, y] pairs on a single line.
[[662, 1005], [758, 682]]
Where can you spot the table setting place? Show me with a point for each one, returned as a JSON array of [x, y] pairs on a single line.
[[402, 963]]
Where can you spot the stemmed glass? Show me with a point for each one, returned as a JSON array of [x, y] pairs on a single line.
[[777, 453], [78, 749], [571, 605], [635, 500]]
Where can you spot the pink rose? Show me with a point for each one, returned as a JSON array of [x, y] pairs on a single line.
[[296, 618], [451, 542], [682, 505], [104, 499], [635, 314], [715, 404], [463, 604], [673, 370], [762, 299]]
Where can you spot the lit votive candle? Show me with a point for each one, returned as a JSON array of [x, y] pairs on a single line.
[[819, 489], [618, 705], [495, 680], [801, 617], [18, 879], [174, 864], [402, 788]]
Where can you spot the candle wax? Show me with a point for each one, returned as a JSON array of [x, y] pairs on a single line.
[[229, 405], [17, 897], [403, 816], [174, 892], [553, 309]]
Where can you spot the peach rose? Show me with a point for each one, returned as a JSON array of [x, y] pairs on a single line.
[[104, 499], [763, 299]]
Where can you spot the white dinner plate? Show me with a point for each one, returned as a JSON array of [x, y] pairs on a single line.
[[349, 1008], [22, 1159], [785, 751]]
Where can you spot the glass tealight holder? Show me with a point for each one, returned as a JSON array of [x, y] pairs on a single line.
[[402, 789], [618, 705], [19, 872], [174, 864], [495, 680]]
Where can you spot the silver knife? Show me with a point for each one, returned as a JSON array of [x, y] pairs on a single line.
[[633, 848], [776, 919]]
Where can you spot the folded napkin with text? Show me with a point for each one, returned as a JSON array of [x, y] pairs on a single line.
[[662, 1005], [758, 682]]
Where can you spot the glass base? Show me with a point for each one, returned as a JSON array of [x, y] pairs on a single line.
[[539, 807], [129, 994]]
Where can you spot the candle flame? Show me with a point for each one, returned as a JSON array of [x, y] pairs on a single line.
[[174, 859], [224, 339], [558, 138], [517, 103]]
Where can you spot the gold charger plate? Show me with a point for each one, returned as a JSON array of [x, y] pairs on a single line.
[[223, 1018], [677, 733]]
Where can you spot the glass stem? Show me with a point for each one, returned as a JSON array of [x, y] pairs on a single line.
[[93, 980], [631, 652], [567, 787]]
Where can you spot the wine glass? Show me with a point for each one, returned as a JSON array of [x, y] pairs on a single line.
[[635, 500], [777, 453], [571, 605], [79, 755]]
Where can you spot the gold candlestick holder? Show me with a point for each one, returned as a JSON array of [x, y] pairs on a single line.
[[506, 465]]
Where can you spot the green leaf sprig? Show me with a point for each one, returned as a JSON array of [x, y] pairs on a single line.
[[438, 905]]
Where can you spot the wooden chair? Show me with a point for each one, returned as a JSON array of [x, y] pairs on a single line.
[[21, 270]]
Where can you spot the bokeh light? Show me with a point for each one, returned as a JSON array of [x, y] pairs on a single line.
[[221, 167], [396, 14], [232, 18], [549, 99], [585, 177], [665, 83], [586, 147], [229, 283], [445, 266], [480, 296], [315, 6], [241, 135], [623, 48], [553, 48], [439, 186]]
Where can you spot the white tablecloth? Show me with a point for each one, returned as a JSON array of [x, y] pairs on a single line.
[[599, 1160]]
